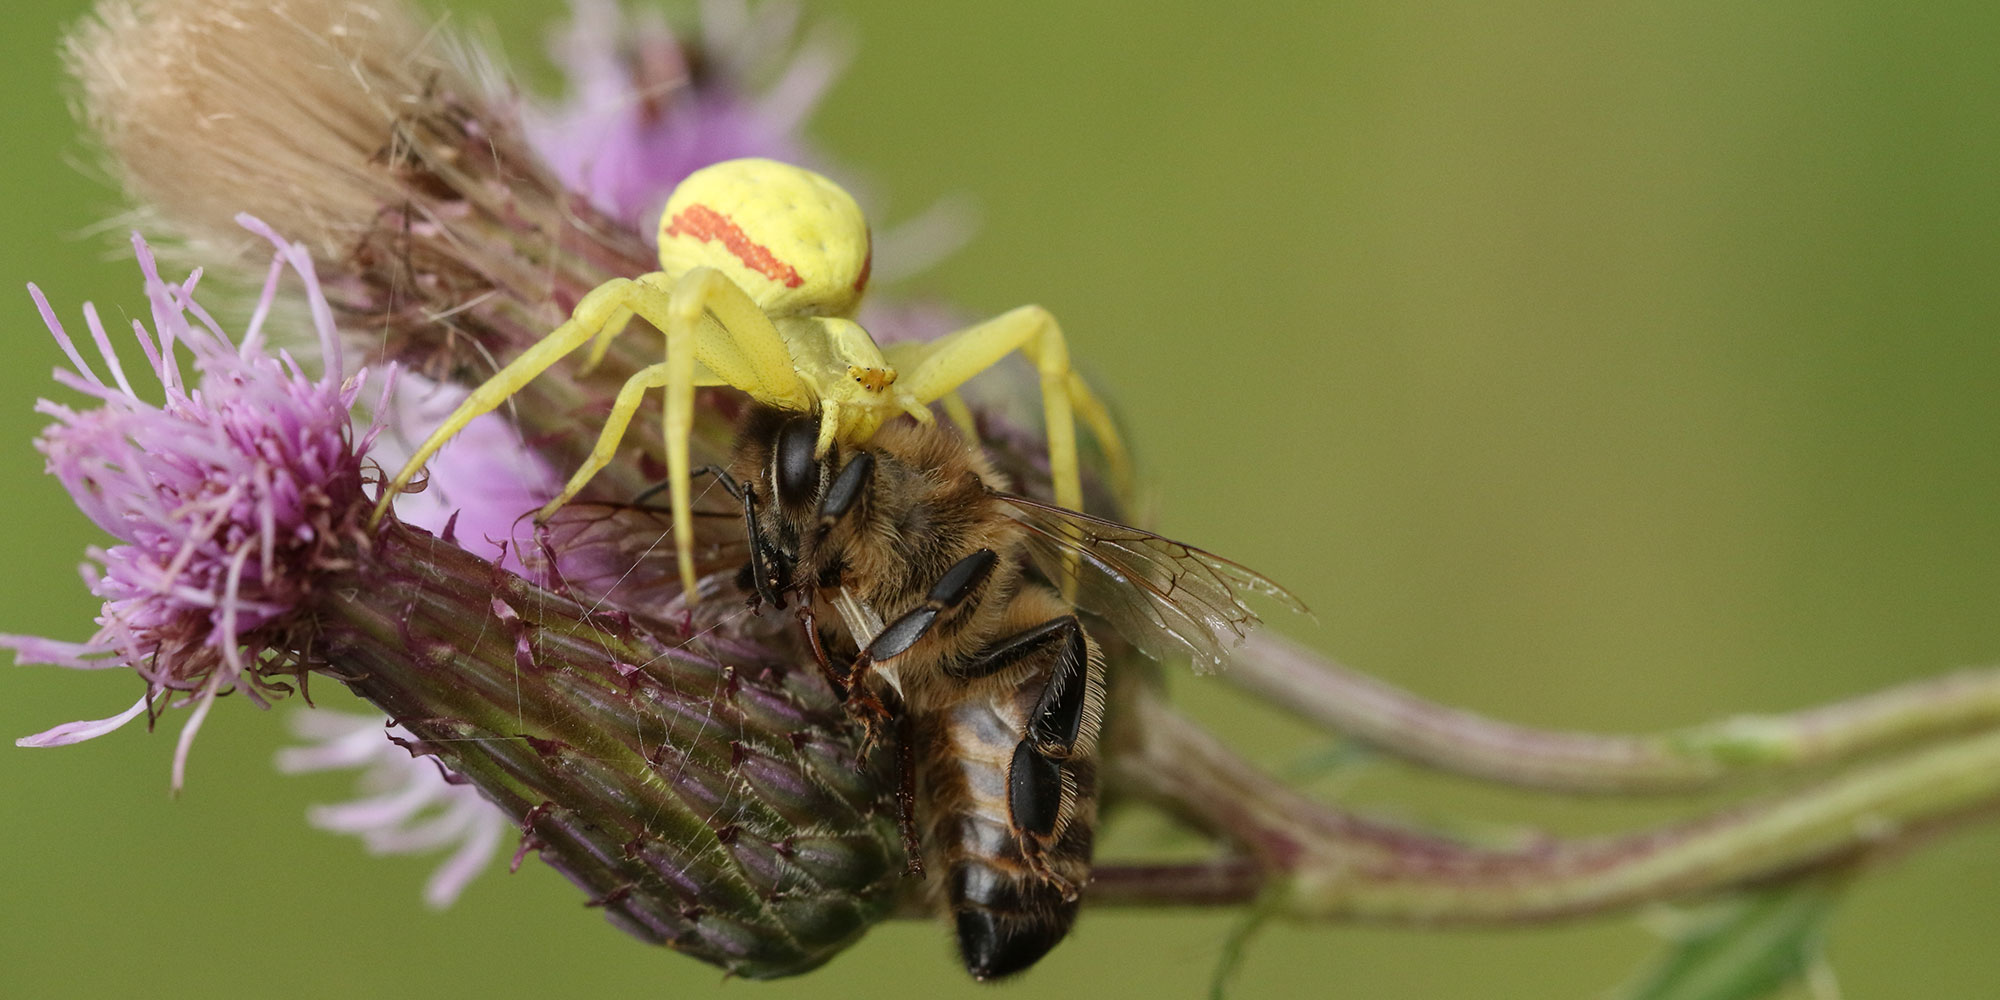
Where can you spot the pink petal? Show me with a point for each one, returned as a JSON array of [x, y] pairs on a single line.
[[33, 650], [468, 861], [77, 732]]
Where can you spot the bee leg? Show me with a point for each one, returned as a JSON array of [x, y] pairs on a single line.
[[954, 588], [847, 489], [1040, 790], [1073, 698], [875, 717], [810, 622]]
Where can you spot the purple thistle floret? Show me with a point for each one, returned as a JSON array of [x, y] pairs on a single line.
[[224, 497], [646, 107], [481, 488], [409, 805], [644, 110]]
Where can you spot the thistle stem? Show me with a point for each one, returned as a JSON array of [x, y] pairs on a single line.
[[1682, 760], [1222, 882], [1325, 863]]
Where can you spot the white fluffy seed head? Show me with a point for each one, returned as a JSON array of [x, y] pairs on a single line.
[[286, 109]]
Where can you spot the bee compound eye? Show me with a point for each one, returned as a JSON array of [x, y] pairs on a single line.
[[796, 471]]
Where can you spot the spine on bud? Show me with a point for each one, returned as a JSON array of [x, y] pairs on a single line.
[[707, 798]]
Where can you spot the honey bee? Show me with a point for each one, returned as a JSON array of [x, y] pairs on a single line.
[[945, 587]]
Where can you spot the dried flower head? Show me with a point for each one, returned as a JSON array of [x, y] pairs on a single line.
[[349, 126], [217, 107]]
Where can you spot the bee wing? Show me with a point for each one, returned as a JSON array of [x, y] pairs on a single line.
[[623, 554], [1168, 598]]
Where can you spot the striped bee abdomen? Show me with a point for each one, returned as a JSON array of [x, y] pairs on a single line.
[[1011, 897]]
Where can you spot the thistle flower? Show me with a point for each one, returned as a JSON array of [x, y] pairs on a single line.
[[229, 498], [707, 794], [645, 108], [421, 196]]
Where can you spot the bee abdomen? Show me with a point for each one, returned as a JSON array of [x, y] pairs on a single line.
[[1010, 774], [1007, 913], [995, 942]]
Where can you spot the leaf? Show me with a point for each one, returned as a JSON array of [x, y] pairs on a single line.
[[1340, 758], [1237, 946], [1762, 941]]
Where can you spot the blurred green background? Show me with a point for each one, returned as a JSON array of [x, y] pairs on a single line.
[[1595, 366]]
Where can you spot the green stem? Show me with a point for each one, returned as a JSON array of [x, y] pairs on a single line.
[[1330, 864], [1681, 760]]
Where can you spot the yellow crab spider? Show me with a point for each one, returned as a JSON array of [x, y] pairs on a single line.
[[762, 265]]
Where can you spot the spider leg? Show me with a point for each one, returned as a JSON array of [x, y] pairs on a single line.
[[709, 319], [705, 318], [952, 360], [961, 415], [605, 310], [623, 409]]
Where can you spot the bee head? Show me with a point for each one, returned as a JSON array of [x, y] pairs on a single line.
[[810, 496]]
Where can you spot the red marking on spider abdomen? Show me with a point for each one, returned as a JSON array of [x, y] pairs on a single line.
[[705, 224]]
